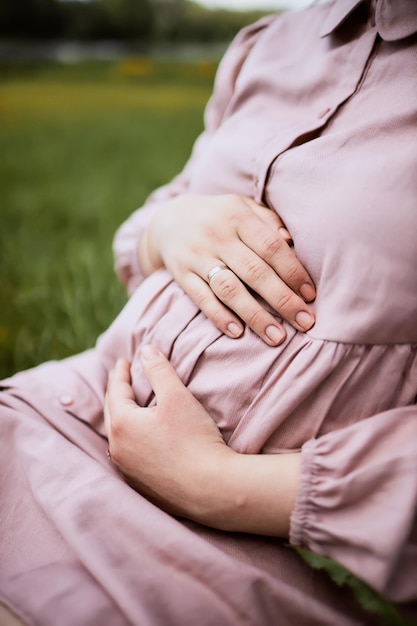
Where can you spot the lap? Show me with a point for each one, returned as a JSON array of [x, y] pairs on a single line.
[[79, 542]]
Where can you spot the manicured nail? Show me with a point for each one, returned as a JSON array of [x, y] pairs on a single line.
[[149, 352], [234, 330], [307, 292], [304, 319], [276, 335]]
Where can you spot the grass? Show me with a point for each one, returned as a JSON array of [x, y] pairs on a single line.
[[81, 147]]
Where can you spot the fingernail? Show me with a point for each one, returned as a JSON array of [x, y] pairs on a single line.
[[276, 335], [304, 319], [234, 330], [307, 292], [149, 352]]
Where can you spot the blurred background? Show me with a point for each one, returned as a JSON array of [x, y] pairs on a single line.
[[100, 103]]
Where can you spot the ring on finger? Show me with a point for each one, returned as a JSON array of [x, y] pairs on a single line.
[[215, 270]]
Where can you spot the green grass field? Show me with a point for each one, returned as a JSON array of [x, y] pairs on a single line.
[[81, 147]]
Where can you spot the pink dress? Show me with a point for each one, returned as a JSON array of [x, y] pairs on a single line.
[[315, 115]]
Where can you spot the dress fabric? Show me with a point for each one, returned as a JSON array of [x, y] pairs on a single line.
[[314, 114]]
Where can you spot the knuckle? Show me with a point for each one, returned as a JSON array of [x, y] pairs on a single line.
[[256, 318], [213, 234], [208, 302], [271, 245], [292, 274], [226, 288], [285, 302], [255, 271]]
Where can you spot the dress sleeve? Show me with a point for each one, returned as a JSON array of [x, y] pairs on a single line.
[[357, 501], [127, 236]]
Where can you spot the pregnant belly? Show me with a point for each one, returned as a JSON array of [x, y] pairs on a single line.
[[263, 399]]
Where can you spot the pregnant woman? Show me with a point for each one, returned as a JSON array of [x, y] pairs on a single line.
[[233, 407]]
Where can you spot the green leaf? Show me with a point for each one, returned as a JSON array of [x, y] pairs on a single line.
[[367, 597]]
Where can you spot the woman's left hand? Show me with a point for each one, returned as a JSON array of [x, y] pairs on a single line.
[[174, 454]]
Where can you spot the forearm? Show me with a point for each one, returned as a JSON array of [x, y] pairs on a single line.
[[250, 493]]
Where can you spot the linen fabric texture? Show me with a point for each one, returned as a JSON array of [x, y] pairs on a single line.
[[313, 114]]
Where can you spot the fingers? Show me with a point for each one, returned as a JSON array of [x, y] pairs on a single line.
[[119, 389], [272, 249], [262, 260], [206, 300], [161, 375], [230, 290], [227, 301], [209, 300], [120, 398], [253, 271]]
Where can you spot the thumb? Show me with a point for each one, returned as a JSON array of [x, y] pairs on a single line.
[[161, 375]]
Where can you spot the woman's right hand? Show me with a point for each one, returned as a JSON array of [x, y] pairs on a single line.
[[191, 234]]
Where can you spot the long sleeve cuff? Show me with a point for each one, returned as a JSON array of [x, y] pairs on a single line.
[[125, 247], [357, 501]]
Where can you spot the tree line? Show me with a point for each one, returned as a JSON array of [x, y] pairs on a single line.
[[131, 20]]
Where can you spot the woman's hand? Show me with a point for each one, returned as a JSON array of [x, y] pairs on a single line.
[[166, 452], [174, 454], [192, 234]]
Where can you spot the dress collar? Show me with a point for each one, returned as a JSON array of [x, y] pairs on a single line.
[[394, 19]]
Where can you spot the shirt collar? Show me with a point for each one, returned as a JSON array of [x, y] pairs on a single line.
[[394, 19]]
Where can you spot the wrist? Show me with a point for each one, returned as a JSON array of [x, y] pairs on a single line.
[[250, 493], [149, 261]]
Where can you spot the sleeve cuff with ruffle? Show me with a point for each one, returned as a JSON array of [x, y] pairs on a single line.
[[357, 501]]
